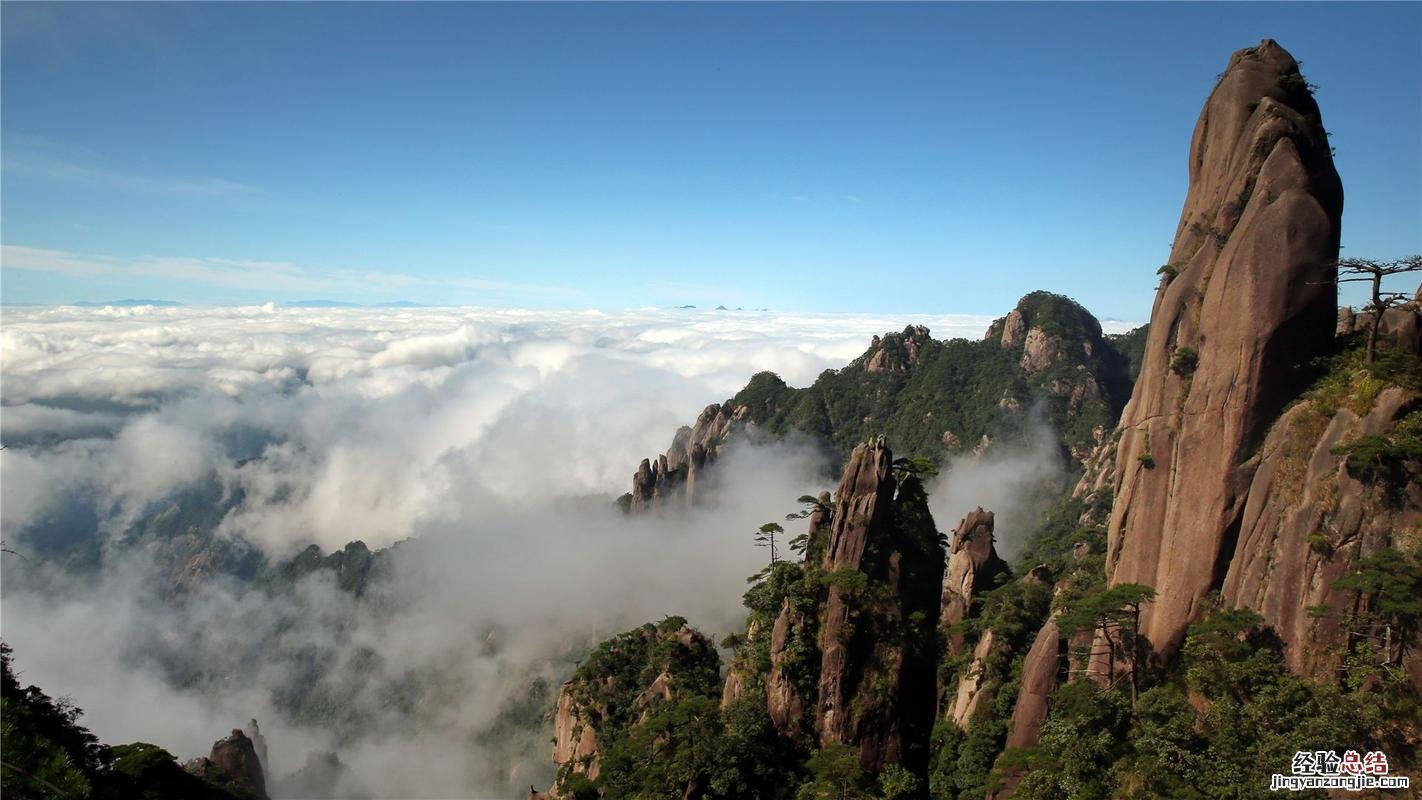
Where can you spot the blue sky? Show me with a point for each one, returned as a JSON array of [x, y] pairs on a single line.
[[885, 158]]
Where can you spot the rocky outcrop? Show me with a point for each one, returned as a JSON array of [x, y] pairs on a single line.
[[784, 699], [575, 742], [1308, 522], [259, 745], [1038, 351], [970, 693], [733, 689], [1061, 352], [862, 512], [233, 762], [884, 568], [973, 564], [896, 353], [355, 567], [1012, 332], [1401, 325], [1231, 336], [671, 480], [1040, 675], [1046, 328], [625, 681]]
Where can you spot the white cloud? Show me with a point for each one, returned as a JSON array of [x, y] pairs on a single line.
[[371, 415], [496, 437], [370, 418], [55, 169], [1015, 481]]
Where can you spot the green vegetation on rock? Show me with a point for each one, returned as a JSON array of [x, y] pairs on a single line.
[[915, 389], [1214, 724], [48, 754]]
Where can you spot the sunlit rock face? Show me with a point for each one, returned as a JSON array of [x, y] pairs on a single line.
[[1232, 333]]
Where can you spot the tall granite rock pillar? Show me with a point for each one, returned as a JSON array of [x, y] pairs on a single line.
[[1246, 303]]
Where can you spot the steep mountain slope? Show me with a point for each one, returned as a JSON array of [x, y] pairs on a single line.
[[847, 667], [927, 397], [1334, 491], [645, 694], [1234, 579], [1263, 481]]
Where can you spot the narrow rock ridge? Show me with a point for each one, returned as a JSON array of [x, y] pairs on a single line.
[[1049, 356], [1246, 305], [670, 481]]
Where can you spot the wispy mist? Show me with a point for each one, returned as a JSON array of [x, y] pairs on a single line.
[[1015, 480]]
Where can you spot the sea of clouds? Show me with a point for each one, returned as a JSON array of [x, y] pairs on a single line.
[[496, 437], [363, 417]]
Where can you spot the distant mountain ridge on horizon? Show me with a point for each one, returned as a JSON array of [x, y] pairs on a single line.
[[128, 302]]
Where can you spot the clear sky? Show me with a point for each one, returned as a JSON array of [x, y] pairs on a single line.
[[885, 158]]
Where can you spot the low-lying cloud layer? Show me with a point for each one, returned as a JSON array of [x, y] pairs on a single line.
[[343, 424], [496, 438]]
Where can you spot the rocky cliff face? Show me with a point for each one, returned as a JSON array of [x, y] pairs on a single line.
[[1245, 305], [852, 652], [575, 742], [233, 762], [973, 564], [1308, 521], [625, 681], [884, 569], [973, 568], [787, 699], [862, 512], [670, 481]]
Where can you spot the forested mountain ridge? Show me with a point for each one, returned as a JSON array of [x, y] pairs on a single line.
[[1045, 361]]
